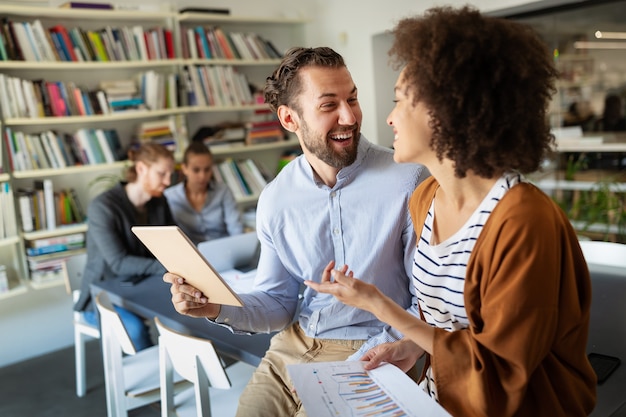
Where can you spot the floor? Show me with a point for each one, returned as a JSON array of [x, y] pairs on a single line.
[[45, 387]]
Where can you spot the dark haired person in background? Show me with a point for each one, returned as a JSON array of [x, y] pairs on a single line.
[[612, 119], [203, 208]]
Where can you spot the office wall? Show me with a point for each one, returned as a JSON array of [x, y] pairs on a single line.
[[40, 321]]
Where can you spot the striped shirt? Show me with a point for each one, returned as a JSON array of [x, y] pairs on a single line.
[[439, 270]]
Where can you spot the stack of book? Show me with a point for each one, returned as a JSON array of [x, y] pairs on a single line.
[[55, 244], [47, 268], [8, 228], [122, 95], [163, 132], [264, 127]]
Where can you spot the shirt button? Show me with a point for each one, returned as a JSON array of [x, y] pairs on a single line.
[[332, 195], [226, 320], [336, 231]]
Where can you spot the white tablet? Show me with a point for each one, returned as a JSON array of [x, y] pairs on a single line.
[[179, 255]]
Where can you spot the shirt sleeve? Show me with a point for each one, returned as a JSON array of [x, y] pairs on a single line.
[[389, 334], [272, 303]]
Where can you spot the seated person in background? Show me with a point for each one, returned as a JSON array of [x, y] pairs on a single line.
[[579, 114], [113, 251], [203, 208], [503, 289], [612, 117], [320, 205]]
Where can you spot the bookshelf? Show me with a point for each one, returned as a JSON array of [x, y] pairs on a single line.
[[11, 249], [87, 74]]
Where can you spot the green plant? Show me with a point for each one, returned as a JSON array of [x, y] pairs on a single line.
[[575, 164], [106, 181], [601, 208]]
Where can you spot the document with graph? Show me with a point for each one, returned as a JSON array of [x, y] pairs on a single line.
[[346, 389]]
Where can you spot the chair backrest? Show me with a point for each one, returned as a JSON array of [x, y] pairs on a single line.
[[111, 324], [188, 354]]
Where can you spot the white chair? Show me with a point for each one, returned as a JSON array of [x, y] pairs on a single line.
[[195, 360], [131, 378], [83, 331]]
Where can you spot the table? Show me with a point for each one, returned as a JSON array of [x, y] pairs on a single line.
[[151, 297], [607, 334]]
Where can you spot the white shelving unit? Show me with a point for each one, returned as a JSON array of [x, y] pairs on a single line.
[[554, 183], [282, 32]]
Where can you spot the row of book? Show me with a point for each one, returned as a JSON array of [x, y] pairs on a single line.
[[207, 85], [243, 177], [31, 41], [8, 228], [213, 43], [22, 98], [41, 207], [59, 150]]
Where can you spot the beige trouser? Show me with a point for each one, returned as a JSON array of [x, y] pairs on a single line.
[[268, 393]]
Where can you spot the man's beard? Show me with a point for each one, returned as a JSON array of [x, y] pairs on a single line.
[[324, 151]]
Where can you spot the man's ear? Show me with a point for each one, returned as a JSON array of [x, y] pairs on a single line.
[[141, 167], [287, 118]]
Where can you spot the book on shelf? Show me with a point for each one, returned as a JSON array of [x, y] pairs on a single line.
[[24, 201], [44, 190], [7, 207], [12, 50], [64, 42], [163, 131], [264, 131], [224, 134], [48, 267], [55, 244], [62, 239], [243, 177], [86, 5], [31, 202], [210, 10]]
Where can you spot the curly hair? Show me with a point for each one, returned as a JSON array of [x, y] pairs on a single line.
[[147, 153], [284, 85], [487, 83]]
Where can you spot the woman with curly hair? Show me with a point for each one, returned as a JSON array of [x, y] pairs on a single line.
[[501, 286]]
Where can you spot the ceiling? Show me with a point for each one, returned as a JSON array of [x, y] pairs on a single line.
[[579, 19]]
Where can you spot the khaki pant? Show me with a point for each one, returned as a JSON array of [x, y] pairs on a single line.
[[268, 393]]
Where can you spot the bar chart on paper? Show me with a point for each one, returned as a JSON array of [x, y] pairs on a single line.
[[346, 389]]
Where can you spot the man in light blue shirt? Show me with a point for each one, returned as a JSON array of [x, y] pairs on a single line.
[[344, 200]]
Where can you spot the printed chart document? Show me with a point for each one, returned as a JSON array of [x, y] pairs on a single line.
[[330, 389]]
